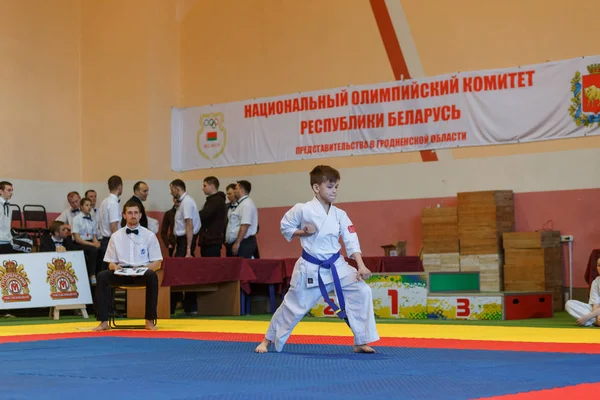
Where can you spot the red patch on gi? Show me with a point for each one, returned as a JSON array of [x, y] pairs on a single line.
[[351, 229]]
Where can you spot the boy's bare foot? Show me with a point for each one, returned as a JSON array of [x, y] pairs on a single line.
[[363, 348], [150, 326], [102, 327], [263, 347]]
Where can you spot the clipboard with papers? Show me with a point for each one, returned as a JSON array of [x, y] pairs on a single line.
[[131, 271]]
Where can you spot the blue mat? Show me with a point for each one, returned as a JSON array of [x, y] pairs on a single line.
[[115, 368]]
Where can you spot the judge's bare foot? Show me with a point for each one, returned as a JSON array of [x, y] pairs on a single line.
[[102, 327], [363, 348], [150, 326], [263, 347]]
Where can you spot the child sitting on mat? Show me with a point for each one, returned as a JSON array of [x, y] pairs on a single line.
[[587, 314]]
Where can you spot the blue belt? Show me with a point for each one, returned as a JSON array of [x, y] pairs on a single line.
[[330, 264]]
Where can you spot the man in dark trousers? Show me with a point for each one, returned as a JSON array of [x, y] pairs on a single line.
[[167, 228], [213, 217], [130, 247], [140, 194]]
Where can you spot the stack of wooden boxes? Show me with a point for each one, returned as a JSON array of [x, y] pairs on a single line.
[[534, 263], [482, 219], [440, 239]]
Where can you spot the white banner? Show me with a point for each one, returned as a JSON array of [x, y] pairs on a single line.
[[43, 280], [539, 102]]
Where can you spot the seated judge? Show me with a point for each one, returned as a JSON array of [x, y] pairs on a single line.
[[130, 246], [58, 239]]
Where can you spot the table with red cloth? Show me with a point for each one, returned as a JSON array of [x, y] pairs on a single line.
[[401, 264], [269, 272], [209, 270], [182, 273], [222, 282]]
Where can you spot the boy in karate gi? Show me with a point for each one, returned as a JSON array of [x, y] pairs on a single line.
[[319, 224], [587, 314]]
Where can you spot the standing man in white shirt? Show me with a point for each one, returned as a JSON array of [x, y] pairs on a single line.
[[187, 220], [130, 246], [6, 192], [108, 214], [243, 224]]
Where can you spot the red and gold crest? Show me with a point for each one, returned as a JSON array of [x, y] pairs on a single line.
[[590, 90], [62, 279], [14, 282], [585, 103]]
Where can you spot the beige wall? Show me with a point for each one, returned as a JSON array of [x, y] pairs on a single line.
[[40, 113], [95, 80], [129, 81]]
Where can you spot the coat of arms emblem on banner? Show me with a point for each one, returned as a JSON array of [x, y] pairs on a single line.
[[62, 279], [212, 135], [585, 103], [14, 282]]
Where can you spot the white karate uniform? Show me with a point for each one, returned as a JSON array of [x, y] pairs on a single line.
[[304, 287], [578, 309]]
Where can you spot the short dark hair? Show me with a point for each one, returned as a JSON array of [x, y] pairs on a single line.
[[55, 226], [71, 194], [247, 186], [324, 173], [114, 182], [231, 186], [137, 185], [84, 200], [212, 180], [178, 183], [4, 184], [131, 204], [89, 191]]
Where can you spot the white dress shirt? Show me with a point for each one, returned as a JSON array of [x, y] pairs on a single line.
[[85, 226], [595, 292], [5, 222], [131, 250], [244, 214], [188, 209], [109, 212], [68, 216]]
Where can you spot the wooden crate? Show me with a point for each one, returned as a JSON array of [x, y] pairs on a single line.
[[490, 268], [443, 262], [533, 261], [440, 230], [482, 218], [531, 240]]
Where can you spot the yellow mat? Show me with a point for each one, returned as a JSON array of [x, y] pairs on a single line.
[[463, 332]]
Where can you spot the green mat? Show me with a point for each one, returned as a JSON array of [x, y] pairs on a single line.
[[441, 282]]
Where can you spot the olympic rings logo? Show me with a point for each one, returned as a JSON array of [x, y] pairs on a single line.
[[212, 122]]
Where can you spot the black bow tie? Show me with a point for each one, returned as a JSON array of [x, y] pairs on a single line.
[[74, 211], [90, 217], [58, 243], [232, 206], [134, 231]]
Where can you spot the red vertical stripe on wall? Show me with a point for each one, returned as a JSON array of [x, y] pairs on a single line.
[[394, 52]]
